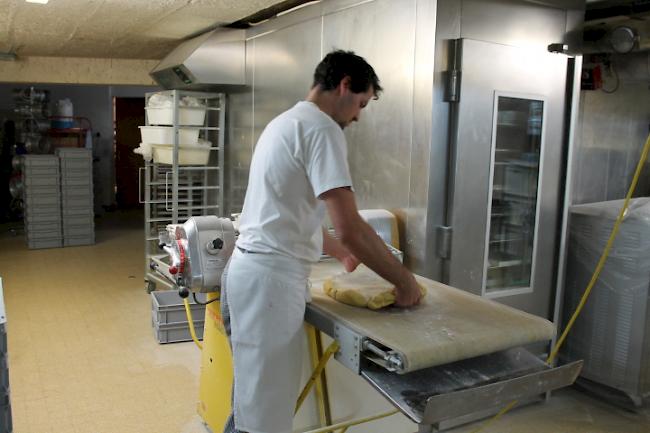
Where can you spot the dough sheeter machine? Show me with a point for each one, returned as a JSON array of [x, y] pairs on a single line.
[[451, 358]]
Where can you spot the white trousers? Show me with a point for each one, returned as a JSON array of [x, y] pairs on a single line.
[[266, 298]]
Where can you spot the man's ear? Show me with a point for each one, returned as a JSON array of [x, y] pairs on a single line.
[[344, 85]]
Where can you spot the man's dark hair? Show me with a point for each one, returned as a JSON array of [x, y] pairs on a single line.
[[338, 64]]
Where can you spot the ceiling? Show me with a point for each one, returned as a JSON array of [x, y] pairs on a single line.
[[149, 29], [127, 29]]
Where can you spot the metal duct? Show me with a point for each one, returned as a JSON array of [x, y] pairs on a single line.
[[214, 61], [613, 26], [621, 37]]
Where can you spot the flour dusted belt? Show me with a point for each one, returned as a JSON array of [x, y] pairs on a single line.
[[437, 360], [448, 325]]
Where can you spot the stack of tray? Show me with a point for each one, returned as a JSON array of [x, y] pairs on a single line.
[[169, 319], [612, 334], [42, 201], [5, 400], [77, 196]]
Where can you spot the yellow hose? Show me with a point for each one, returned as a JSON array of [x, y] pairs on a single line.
[[594, 277], [345, 425], [188, 313]]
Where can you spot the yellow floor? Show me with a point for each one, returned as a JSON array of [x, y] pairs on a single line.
[[82, 355], [83, 358]]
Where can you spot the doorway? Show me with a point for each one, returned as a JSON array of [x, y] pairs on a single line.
[[128, 115]]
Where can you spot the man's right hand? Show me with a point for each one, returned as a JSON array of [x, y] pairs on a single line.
[[408, 294], [363, 243]]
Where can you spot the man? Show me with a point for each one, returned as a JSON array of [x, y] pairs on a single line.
[[299, 170]]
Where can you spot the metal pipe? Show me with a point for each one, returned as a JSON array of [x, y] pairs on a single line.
[[393, 360], [175, 180]]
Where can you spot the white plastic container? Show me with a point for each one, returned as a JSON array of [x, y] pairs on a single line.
[[64, 108], [165, 135], [145, 150], [165, 115], [187, 155]]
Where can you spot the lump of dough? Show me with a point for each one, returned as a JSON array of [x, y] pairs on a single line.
[[361, 288]]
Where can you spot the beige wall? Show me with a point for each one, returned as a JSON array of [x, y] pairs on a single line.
[[76, 70]]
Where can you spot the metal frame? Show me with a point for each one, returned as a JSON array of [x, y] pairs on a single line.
[[172, 201], [3, 315], [518, 290], [568, 192], [6, 423]]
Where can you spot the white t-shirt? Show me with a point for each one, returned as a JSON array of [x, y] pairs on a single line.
[[301, 154]]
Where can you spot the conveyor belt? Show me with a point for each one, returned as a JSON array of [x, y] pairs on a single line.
[[449, 325], [456, 354]]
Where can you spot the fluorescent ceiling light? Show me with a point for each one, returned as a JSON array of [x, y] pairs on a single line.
[[41, 2]]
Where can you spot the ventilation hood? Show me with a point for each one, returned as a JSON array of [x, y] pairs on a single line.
[[214, 61], [615, 26]]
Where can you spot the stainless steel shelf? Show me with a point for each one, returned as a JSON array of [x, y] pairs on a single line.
[[172, 193]]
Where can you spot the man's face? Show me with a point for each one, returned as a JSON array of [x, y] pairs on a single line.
[[350, 104]]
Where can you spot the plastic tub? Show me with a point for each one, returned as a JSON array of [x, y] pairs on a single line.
[[34, 182], [38, 161], [167, 308], [187, 155], [73, 152], [76, 164], [165, 135], [36, 229], [36, 244], [79, 221], [186, 115], [78, 241], [86, 231], [176, 333]]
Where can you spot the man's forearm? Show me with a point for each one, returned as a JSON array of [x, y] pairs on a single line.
[[332, 246], [368, 247]]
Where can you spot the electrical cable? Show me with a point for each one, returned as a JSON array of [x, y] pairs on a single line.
[[594, 277], [203, 303]]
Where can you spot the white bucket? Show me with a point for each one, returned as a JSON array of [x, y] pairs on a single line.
[[64, 108], [165, 135], [165, 115], [187, 155], [64, 113]]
